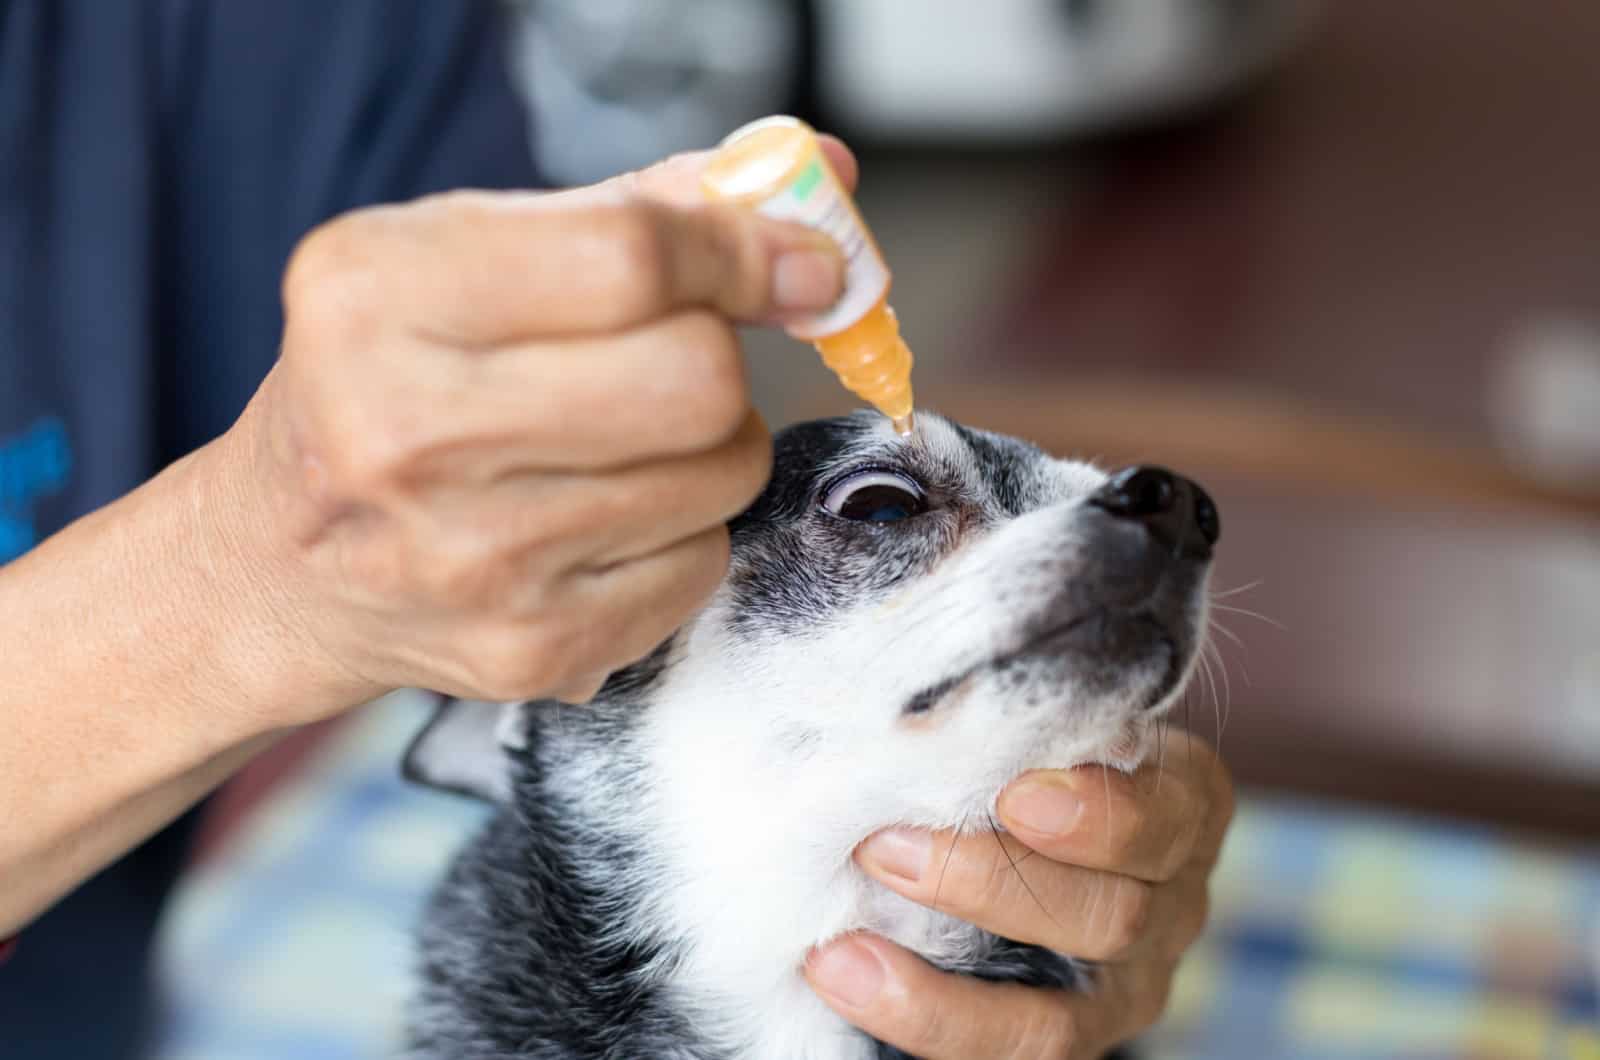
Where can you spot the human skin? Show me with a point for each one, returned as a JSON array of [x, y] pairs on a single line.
[[495, 459]]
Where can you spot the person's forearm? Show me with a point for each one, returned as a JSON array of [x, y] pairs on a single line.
[[145, 659]]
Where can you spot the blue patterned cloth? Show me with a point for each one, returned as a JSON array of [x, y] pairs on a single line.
[[1335, 935]]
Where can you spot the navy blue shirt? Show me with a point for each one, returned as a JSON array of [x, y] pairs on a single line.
[[158, 161]]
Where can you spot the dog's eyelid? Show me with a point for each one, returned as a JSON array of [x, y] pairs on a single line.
[[832, 483], [866, 484]]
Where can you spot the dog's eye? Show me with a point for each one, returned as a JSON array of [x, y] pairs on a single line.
[[875, 497]]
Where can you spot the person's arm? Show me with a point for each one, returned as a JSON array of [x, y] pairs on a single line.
[[145, 660], [495, 459]]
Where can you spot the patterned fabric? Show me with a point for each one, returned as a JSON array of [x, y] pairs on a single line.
[[1335, 936]]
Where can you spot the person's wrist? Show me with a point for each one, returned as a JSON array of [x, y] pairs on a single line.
[[267, 640]]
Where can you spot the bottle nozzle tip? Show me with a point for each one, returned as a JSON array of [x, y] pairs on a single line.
[[904, 425]]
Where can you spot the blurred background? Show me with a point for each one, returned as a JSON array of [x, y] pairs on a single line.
[[1338, 261]]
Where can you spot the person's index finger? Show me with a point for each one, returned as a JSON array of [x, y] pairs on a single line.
[[1147, 825], [750, 267], [486, 268], [675, 180]]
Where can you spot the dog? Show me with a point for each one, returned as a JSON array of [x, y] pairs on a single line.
[[907, 624]]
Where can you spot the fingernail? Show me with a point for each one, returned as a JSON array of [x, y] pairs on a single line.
[[849, 971], [899, 853], [806, 279], [1043, 806]]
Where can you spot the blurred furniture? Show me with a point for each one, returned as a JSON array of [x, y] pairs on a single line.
[[1312, 303], [955, 73]]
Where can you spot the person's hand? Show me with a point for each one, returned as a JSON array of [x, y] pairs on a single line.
[[1117, 873], [497, 453]]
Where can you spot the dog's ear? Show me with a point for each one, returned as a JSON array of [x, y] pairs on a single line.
[[466, 748]]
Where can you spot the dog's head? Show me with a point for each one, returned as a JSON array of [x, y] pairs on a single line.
[[908, 623]]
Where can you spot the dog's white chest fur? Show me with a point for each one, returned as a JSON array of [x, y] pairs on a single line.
[[753, 897], [755, 824]]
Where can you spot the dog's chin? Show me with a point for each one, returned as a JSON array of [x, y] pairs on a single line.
[[1135, 659]]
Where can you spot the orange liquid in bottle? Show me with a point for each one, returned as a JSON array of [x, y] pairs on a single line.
[[776, 166]]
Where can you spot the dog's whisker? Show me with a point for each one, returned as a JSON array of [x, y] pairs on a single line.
[[1218, 627], [1211, 685], [1105, 777], [938, 887], [1236, 590], [1188, 720], [1246, 612], [950, 617], [1204, 665], [1161, 752], [1215, 626], [1227, 689], [1016, 867]]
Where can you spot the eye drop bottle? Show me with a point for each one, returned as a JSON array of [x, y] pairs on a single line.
[[777, 167]]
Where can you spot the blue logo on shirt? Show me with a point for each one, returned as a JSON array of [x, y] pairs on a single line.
[[33, 464]]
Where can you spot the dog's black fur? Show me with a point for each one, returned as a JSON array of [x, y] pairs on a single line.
[[520, 953]]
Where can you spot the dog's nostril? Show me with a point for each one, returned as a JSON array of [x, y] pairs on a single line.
[[1206, 517], [1142, 491], [1138, 492], [1175, 511]]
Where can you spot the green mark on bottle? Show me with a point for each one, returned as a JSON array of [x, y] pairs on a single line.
[[808, 180]]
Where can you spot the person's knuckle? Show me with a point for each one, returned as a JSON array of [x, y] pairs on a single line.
[[709, 393], [1206, 772], [637, 254], [381, 566], [1129, 908], [1048, 1032], [734, 237], [754, 470], [367, 452], [929, 1028], [465, 569], [1173, 855], [513, 661], [463, 205], [1175, 842], [331, 282], [1223, 799], [1148, 1004], [600, 506], [711, 551], [642, 630], [1131, 821], [980, 886], [575, 646], [1190, 923]]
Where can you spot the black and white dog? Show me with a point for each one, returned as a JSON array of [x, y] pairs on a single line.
[[907, 625]]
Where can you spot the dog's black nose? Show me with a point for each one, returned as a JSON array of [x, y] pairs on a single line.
[[1176, 511]]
